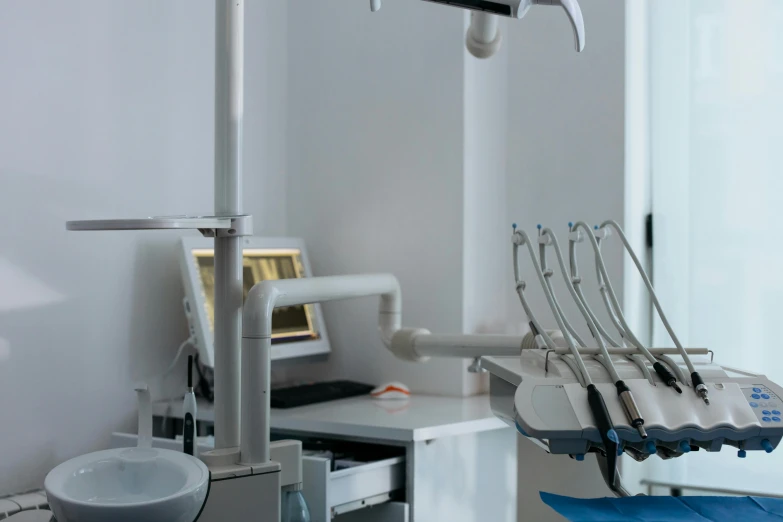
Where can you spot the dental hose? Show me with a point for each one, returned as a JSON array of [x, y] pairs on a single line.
[[595, 399], [630, 407], [661, 369], [613, 305], [698, 383]]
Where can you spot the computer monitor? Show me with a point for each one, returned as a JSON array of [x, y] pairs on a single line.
[[297, 331]]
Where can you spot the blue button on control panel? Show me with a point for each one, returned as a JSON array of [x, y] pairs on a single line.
[[765, 403]]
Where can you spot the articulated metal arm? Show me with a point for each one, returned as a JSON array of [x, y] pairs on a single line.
[[413, 344]]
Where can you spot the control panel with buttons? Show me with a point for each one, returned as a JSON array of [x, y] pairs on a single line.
[[765, 403]]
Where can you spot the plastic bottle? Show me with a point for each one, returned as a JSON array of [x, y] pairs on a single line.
[[293, 507]]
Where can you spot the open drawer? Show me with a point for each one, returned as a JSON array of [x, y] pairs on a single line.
[[329, 493], [345, 477]]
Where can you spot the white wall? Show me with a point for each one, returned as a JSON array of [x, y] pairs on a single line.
[[266, 92], [566, 138], [406, 144], [106, 110], [375, 142], [565, 163]]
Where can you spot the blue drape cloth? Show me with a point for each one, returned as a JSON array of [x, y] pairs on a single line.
[[667, 509]]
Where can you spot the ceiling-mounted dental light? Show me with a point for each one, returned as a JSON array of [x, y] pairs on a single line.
[[483, 37]]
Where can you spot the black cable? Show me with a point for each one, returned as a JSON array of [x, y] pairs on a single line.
[[204, 388], [606, 430]]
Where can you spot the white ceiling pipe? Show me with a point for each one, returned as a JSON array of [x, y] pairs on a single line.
[[483, 37]]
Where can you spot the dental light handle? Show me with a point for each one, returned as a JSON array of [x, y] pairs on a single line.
[[574, 13]]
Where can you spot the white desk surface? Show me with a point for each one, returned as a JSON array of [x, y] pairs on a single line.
[[422, 417]]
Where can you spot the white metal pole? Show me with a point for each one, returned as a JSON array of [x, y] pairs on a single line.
[[256, 400], [229, 93]]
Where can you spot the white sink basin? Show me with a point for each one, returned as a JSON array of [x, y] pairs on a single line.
[[128, 484]]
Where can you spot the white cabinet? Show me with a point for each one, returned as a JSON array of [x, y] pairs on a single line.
[[424, 459]]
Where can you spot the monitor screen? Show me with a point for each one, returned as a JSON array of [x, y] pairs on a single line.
[[289, 323]]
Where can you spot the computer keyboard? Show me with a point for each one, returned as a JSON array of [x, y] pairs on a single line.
[[317, 392]]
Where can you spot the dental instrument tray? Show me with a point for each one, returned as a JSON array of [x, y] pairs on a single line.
[[544, 401]]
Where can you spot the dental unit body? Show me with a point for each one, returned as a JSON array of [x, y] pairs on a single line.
[[545, 384], [539, 394], [534, 387]]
